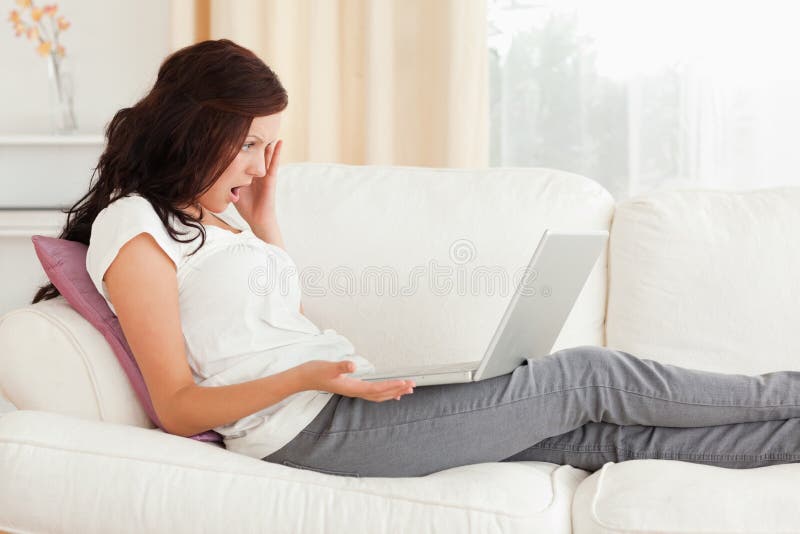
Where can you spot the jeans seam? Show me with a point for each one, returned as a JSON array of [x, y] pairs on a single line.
[[678, 455], [576, 448], [318, 470], [542, 395]]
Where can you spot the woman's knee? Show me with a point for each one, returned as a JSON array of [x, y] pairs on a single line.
[[587, 352], [593, 357]]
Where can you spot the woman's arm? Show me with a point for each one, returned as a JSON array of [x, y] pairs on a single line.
[[269, 232], [196, 408], [143, 287], [256, 202]]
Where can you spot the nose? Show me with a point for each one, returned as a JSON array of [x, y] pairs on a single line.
[[257, 166]]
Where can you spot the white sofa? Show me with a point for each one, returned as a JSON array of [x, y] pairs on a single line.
[[703, 279]]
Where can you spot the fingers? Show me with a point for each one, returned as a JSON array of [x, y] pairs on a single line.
[[389, 385], [393, 389], [268, 157], [374, 391], [407, 391], [346, 366], [274, 156]]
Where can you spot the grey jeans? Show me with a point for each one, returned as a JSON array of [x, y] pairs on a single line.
[[582, 406]]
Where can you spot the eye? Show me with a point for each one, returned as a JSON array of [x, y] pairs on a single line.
[[246, 146]]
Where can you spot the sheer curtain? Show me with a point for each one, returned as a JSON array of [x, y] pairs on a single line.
[[643, 95]]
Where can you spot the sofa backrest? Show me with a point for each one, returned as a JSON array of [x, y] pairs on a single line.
[[353, 230], [707, 279], [387, 257]]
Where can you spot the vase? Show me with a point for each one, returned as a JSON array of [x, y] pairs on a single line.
[[62, 109]]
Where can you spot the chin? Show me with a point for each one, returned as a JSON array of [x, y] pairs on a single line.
[[223, 205]]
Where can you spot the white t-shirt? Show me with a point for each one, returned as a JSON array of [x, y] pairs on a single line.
[[239, 303]]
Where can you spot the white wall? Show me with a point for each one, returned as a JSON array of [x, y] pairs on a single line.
[[116, 47]]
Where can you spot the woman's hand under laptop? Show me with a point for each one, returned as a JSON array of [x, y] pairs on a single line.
[[330, 376]]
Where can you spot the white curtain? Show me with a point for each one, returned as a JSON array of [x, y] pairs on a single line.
[[644, 94]]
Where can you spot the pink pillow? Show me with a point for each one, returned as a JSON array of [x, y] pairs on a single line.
[[64, 262]]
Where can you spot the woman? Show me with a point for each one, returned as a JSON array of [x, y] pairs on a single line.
[[218, 352]]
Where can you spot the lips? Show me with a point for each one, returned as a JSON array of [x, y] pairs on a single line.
[[235, 191]]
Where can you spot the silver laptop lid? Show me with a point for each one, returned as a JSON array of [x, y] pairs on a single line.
[[556, 274]]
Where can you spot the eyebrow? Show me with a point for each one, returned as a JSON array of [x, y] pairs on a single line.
[[260, 139]]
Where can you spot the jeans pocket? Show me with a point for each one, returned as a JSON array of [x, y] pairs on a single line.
[[324, 471]]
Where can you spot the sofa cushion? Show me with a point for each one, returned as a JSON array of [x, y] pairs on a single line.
[[707, 279], [417, 265], [52, 359], [143, 480], [64, 262], [670, 496], [6, 405]]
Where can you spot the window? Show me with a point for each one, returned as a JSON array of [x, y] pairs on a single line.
[[642, 95]]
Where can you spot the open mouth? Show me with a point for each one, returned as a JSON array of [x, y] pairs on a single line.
[[235, 193]]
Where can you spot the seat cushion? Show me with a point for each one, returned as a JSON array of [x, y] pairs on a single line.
[[669, 496], [144, 480], [707, 279]]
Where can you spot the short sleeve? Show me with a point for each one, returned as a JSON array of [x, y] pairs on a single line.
[[117, 224]]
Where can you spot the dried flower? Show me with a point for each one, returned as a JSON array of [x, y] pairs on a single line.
[[44, 48], [44, 34], [44, 29]]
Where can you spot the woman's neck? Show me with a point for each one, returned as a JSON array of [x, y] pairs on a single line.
[[194, 211]]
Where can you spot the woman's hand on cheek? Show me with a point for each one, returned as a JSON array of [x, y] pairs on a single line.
[[257, 202]]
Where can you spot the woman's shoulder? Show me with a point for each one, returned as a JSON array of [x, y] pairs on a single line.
[[127, 210], [128, 216], [134, 210], [131, 205], [123, 219]]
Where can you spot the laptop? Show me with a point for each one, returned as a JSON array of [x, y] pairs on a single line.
[[534, 317]]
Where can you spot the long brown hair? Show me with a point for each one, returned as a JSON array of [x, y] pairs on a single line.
[[173, 144]]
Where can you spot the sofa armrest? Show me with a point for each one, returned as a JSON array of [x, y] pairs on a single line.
[[65, 474]]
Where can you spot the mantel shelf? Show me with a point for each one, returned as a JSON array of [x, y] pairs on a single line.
[[50, 140], [46, 171]]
